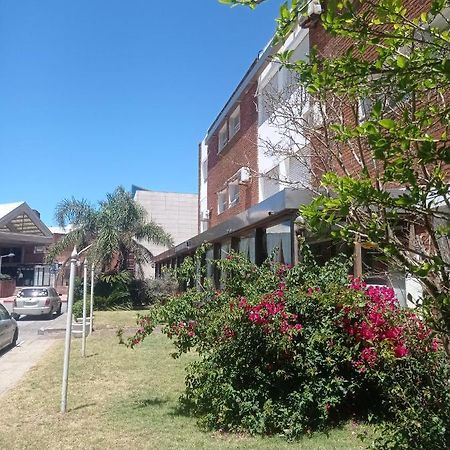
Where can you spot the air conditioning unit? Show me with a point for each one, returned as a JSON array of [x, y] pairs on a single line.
[[244, 176], [205, 215], [314, 8]]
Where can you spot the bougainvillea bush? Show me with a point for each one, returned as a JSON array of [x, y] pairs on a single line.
[[295, 350]]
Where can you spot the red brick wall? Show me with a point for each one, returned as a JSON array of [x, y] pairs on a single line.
[[329, 46], [7, 288], [241, 151]]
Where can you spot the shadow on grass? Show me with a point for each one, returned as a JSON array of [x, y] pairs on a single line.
[[82, 406], [144, 403], [182, 408]]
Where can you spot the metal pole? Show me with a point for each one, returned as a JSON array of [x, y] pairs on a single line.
[[91, 312], [83, 341], [73, 261]]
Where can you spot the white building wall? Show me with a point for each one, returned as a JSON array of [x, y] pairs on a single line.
[[203, 194], [281, 151], [176, 212]]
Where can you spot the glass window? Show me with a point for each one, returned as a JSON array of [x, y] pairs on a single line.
[[221, 201], [33, 293], [233, 194], [223, 137], [4, 314], [279, 242], [247, 246], [235, 121]]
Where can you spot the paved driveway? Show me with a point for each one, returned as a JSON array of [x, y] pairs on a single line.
[[15, 362]]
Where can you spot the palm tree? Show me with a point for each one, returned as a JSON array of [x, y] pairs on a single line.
[[116, 229]]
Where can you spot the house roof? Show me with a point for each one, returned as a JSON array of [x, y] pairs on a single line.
[[19, 224], [6, 208]]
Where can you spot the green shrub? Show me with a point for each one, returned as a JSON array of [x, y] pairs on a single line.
[[77, 308], [293, 350]]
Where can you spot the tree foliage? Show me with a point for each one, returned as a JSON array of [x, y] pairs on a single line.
[[116, 228], [379, 145]]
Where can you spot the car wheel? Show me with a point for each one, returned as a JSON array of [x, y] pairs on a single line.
[[16, 336]]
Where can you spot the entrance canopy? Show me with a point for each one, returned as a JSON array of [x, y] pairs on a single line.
[[19, 225]]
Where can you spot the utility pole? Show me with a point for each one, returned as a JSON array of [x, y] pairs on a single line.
[[65, 380]]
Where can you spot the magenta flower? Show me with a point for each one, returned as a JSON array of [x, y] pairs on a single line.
[[400, 350]]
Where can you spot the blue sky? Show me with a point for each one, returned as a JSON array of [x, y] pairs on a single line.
[[100, 93]]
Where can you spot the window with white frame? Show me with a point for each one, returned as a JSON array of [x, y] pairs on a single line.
[[221, 201], [235, 121], [223, 136], [233, 194]]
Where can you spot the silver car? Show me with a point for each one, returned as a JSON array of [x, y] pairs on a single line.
[[8, 329], [37, 301]]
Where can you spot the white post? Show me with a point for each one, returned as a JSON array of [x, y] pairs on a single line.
[[83, 341], [73, 261], [91, 312]]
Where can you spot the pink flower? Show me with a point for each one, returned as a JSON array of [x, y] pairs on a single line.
[[228, 332], [434, 345], [366, 331], [369, 355], [400, 350], [242, 302], [393, 333]]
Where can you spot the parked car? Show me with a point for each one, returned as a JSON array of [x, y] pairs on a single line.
[[9, 331], [37, 301]]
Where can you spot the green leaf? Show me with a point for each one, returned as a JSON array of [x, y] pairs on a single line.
[[401, 61], [387, 123]]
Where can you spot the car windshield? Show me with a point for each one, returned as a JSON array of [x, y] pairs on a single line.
[[33, 293]]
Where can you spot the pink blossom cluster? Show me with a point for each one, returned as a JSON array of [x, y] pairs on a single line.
[[182, 327], [143, 323], [271, 313], [374, 325], [282, 269]]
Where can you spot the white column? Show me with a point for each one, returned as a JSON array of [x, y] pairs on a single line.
[[83, 340], [91, 312], [65, 379]]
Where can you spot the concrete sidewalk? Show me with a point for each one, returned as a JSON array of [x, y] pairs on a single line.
[[15, 363]]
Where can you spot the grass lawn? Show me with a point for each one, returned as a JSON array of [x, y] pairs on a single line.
[[123, 399]]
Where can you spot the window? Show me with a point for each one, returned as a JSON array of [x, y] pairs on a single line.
[[365, 106], [223, 137], [39, 249], [235, 121], [268, 97], [4, 314], [221, 201], [271, 183], [233, 194]]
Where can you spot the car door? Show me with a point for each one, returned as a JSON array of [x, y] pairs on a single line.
[[5, 327]]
